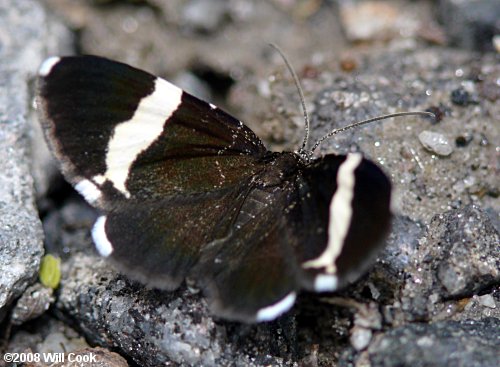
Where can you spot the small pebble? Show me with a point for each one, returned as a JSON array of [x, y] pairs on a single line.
[[435, 142], [360, 337], [204, 15], [460, 97], [33, 303], [487, 301], [463, 140], [348, 64]]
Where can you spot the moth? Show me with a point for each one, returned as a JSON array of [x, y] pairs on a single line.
[[186, 190]]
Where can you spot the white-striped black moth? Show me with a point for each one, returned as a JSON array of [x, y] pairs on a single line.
[[186, 190]]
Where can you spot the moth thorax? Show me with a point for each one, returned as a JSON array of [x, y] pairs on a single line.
[[282, 167]]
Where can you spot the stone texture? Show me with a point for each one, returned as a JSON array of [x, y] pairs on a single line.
[[466, 343], [21, 239], [34, 302], [152, 33], [458, 258]]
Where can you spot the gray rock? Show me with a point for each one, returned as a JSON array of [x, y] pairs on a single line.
[[21, 239], [402, 246], [466, 343], [458, 258], [471, 24], [33, 303], [469, 251]]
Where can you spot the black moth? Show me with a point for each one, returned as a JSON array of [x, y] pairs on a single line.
[[187, 190]]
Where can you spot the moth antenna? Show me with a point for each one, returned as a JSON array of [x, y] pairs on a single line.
[[364, 122], [302, 150]]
